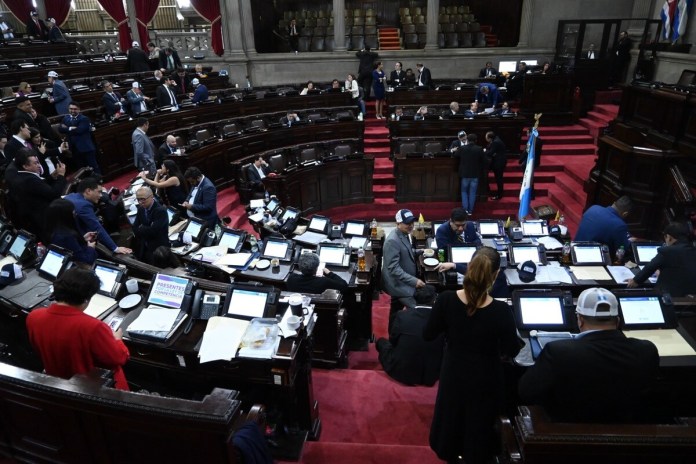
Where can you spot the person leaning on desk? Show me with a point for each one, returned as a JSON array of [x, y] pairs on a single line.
[[308, 282], [676, 262]]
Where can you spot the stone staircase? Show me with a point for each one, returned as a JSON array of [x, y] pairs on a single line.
[[389, 38]]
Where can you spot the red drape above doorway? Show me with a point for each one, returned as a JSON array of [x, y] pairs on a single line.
[[210, 10], [58, 10], [144, 12], [20, 8], [114, 8]]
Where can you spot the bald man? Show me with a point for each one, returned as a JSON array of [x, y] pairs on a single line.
[[151, 225], [167, 149]]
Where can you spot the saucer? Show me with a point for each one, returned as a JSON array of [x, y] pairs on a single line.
[[130, 301], [431, 262], [263, 264]]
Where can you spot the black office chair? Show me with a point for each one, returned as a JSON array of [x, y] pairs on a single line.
[[308, 154], [277, 163]]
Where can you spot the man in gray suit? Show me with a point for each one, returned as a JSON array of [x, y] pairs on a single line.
[[143, 148], [399, 267]]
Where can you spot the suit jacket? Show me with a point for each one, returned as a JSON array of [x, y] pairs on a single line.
[[164, 98], [55, 35], [12, 147], [39, 32], [406, 357], [151, 228], [493, 96], [497, 153], [163, 60], [143, 150], [61, 97], [137, 60], [253, 176], [599, 377], [313, 284], [425, 79], [134, 102], [201, 94], [471, 158], [87, 221], [163, 152], [183, 86], [397, 78], [399, 266], [32, 195], [80, 138], [485, 72], [69, 240], [24, 116], [205, 203], [677, 265], [112, 103]]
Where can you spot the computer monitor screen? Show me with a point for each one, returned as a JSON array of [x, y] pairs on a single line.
[[318, 224], [354, 228], [230, 240], [462, 254], [194, 228], [507, 66], [247, 303], [687, 78], [358, 242], [108, 276], [534, 228], [644, 309], [273, 205], [53, 263], [520, 254], [168, 291], [645, 253], [541, 311], [588, 254], [171, 214], [332, 254], [275, 249], [489, 228], [530, 62], [19, 245], [257, 203], [289, 214]]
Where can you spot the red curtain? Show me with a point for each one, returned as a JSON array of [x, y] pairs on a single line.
[[114, 8], [20, 8], [144, 12], [210, 10], [58, 10]]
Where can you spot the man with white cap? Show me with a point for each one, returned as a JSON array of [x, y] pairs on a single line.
[[137, 59], [137, 99], [201, 92], [399, 264], [598, 376], [60, 96], [55, 35]]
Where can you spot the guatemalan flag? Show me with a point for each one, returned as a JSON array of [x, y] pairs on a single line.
[[526, 191], [674, 14]]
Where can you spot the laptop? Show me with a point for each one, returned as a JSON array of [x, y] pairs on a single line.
[[644, 252], [333, 255], [535, 228], [277, 248], [461, 254], [233, 239], [520, 253], [590, 253], [317, 230], [644, 310]]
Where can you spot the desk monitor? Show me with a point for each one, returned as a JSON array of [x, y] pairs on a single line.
[[355, 229], [641, 309], [530, 62], [319, 224], [507, 66], [110, 275], [540, 310], [277, 248], [20, 244], [174, 215], [535, 228], [589, 253], [54, 262], [289, 213], [687, 78], [273, 205], [644, 252], [461, 254], [246, 303], [490, 228], [195, 227], [332, 254], [520, 253], [170, 291], [257, 203], [233, 239]]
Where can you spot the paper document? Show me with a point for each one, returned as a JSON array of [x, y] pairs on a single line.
[[221, 338], [98, 305], [590, 273], [620, 274], [551, 243], [256, 217], [552, 274], [234, 259], [154, 319], [211, 254], [668, 342]]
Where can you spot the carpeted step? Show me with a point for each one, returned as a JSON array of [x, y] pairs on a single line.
[[321, 452], [569, 150], [608, 96], [383, 179], [600, 117], [571, 187], [383, 191], [574, 129], [607, 108], [594, 127], [571, 209], [574, 139]]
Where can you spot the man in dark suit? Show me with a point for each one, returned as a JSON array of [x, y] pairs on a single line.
[[496, 155], [489, 72], [202, 201], [367, 65], [169, 60], [143, 148], [397, 76], [424, 79], [515, 83], [35, 27], [256, 172], [488, 93], [23, 111], [114, 103], [459, 142], [599, 376], [472, 110], [165, 94], [78, 129], [4, 160], [308, 282], [167, 149], [137, 59], [452, 111], [181, 82], [676, 262], [503, 110], [137, 100], [405, 356], [471, 159], [151, 225], [19, 138], [293, 35]]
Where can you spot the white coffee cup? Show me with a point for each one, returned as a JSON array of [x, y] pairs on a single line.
[[132, 285]]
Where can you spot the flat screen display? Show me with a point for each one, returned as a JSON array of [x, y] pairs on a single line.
[[489, 228], [507, 66], [533, 228], [332, 255], [541, 311], [19, 245], [645, 253], [52, 263], [641, 310], [168, 291], [275, 249], [530, 62], [520, 254], [354, 228], [318, 224], [462, 254], [108, 277], [288, 214], [588, 254], [273, 205], [194, 228], [230, 240], [247, 303]]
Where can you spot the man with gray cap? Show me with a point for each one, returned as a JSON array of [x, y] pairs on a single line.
[[399, 264], [308, 282], [676, 262], [598, 376], [60, 96], [459, 142]]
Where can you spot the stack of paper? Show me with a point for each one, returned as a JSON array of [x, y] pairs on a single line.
[[98, 305], [221, 339], [156, 323]]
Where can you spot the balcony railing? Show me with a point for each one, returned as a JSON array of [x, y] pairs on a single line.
[[185, 42]]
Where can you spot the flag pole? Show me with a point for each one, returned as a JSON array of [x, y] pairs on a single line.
[[526, 189]]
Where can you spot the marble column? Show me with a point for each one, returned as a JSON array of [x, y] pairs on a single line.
[[339, 7], [526, 23], [433, 14], [231, 28], [133, 23], [641, 9], [247, 20]]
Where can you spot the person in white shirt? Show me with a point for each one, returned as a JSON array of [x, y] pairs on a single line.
[[351, 85]]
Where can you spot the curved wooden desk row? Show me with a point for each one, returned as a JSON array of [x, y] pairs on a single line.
[[48, 419], [67, 71], [36, 51], [114, 139], [414, 97], [508, 129]]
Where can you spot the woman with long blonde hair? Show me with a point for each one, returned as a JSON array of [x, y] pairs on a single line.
[[479, 331]]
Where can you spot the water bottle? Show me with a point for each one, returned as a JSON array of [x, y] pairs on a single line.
[[267, 196], [565, 257], [361, 259], [373, 228], [40, 250], [620, 253], [441, 255], [254, 244]]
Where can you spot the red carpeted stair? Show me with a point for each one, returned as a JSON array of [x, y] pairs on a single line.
[[389, 38]]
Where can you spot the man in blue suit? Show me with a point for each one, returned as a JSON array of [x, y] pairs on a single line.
[[202, 201], [143, 148], [137, 100], [201, 92], [78, 128], [488, 94], [61, 96]]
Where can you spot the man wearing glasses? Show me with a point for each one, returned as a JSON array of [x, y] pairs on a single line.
[[151, 225], [457, 231]]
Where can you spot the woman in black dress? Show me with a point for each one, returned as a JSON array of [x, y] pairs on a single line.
[[479, 332], [170, 184], [378, 79]]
